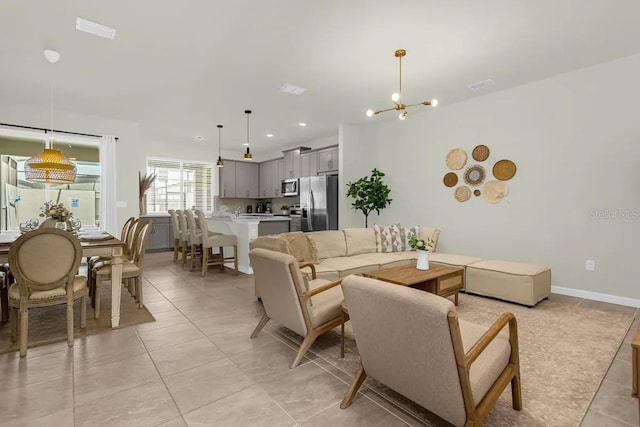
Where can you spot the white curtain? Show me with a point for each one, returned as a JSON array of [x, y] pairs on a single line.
[[108, 213]]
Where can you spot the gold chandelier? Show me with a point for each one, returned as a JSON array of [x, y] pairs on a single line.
[[50, 166], [397, 97]]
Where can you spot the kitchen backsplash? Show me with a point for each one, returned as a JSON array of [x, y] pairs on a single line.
[[233, 204]]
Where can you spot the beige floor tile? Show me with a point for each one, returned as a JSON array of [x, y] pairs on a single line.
[[218, 322], [565, 299], [615, 401], [609, 308], [180, 357], [171, 335], [362, 412], [98, 381], [596, 419], [624, 352], [151, 294], [620, 372], [265, 362], [146, 405], [24, 405], [305, 391], [176, 422], [163, 320], [205, 384], [238, 340], [249, 407], [183, 292], [62, 418], [107, 347], [18, 372], [159, 307]]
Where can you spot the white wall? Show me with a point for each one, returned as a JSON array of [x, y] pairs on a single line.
[[575, 139]]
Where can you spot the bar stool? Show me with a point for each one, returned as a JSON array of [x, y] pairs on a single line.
[[212, 240]]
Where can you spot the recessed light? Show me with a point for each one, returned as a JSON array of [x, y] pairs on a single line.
[[199, 138], [95, 29], [482, 84], [269, 135], [246, 144], [73, 158], [302, 124]]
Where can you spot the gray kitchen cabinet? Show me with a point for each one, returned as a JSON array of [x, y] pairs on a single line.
[[266, 189], [228, 179], [292, 163], [161, 238], [247, 180], [278, 171], [309, 163], [328, 159]]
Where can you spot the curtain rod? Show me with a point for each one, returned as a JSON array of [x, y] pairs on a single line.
[[53, 130]]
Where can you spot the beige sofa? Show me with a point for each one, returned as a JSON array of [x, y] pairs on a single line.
[[339, 253]]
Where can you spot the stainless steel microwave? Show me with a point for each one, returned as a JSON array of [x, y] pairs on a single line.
[[290, 187]]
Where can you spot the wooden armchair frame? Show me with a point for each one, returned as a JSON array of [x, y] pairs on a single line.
[[303, 297]]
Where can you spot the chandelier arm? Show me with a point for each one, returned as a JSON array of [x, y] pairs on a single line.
[[419, 103], [388, 109], [400, 99]]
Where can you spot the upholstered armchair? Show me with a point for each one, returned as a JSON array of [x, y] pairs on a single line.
[[413, 342], [44, 263], [307, 307]]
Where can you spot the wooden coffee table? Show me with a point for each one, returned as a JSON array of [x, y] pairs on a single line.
[[439, 279]]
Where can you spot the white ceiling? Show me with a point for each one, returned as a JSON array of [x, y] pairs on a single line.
[[181, 68]]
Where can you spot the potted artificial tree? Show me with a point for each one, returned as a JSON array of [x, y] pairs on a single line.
[[369, 194]]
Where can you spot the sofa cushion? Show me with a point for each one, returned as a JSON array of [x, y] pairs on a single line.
[[322, 272], [431, 233], [328, 244], [362, 263], [510, 267], [388, 238], [274, 242], [360, 241], [452, 259], [300, 246], [394, 259], [407, 232]]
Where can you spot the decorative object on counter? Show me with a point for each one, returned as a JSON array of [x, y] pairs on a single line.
[[423, 247], [247, 155], [284, 209], [369, 194], [397, 97], [494, 191], [462, 193], [219, 163], [474, 175], [456, 159], [480, 153], [144, 183], [504, 170], [450, 179]]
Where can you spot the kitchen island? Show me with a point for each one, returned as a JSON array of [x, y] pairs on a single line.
[[247, 228]]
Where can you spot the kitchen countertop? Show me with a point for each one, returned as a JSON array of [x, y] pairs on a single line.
[[247, 218]]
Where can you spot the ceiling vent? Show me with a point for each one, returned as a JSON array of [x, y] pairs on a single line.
[[95, 29], [482, 84], [292, 89]]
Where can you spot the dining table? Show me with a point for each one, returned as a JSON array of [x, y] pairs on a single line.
[[93, 244]]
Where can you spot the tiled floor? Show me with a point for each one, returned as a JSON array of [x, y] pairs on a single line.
[[196, 366]]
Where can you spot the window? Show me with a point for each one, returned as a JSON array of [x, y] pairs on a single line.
[[179, 185]]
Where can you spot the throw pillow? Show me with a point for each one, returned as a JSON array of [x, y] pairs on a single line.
[[388, 238], [406, 234]]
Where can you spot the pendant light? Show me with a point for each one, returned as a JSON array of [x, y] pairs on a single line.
[[247, 155], [219, 163], [50, 166]]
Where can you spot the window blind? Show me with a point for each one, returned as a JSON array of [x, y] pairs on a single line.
[[179, 185]]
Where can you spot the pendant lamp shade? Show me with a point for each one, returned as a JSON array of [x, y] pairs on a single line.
[[247, 155], [50, 167], [219, 163]]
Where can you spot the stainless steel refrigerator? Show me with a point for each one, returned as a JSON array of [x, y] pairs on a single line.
[[319, 202]]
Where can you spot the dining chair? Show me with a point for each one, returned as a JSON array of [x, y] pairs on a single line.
[[44, 263], [184, 236], [216, 240], [195, 238], [177, 241], [131, 268]]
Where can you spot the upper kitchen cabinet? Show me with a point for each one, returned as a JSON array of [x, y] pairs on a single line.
[[292, 163], [228, 179], [247, 180], [328, 159], [266, 185], [309, 163], [278, 176]]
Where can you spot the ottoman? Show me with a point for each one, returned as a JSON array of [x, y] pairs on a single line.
[[510, 281]]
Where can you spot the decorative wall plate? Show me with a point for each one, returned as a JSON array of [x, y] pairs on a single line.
[[504, 170], [456, 159], [476, 193], [480, 153], [450, 179], [474, 175], [462, 194], [494, 191]]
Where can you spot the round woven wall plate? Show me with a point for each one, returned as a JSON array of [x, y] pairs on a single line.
[[480, 153], [476, 193], [456, 159], [474, 175], [450, 179], [462, 194], [494, 191], [504, 170]]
